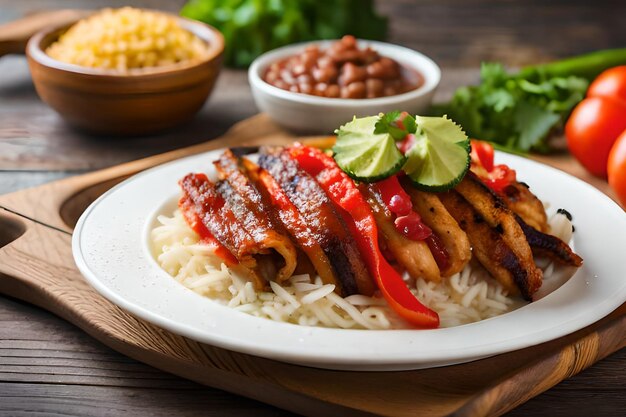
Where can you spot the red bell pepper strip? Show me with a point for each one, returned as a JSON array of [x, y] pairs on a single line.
[[206, 237], [482, 154], [359, 218]]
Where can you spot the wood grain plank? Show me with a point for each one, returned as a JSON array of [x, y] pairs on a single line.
[[41, 263], [598, 388], [85, 401]]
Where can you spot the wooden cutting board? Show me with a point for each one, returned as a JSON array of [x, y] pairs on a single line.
[[36, 265]]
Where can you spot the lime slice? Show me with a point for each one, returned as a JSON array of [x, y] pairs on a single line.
[[441, 155], [366, 156]]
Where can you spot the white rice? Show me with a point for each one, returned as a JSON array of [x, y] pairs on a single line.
[[466, 297]]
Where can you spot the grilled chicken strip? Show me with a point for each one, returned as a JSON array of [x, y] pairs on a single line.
[[415, 256], [547, 245], [521, 201], [498, 216], [257, 259], [254, 213], [324, 224], [490, 248], [444, 226]]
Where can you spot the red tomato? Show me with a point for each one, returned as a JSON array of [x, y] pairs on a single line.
[[617, 168], [482, 154], [611, 83], [592, 129], [500, 177]]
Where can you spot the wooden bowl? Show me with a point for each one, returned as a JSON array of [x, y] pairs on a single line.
[[138, 102]]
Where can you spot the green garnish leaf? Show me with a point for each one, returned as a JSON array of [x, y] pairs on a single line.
[[533, 123], [365, 155], [388, 123], [514, 112], [440, 157]]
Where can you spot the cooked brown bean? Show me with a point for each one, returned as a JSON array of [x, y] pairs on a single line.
[[305, 79], [349, 41], [342, 70], [333, 91], [374, 87], [389, 91], [306, 88], [390, 68], [276, 66], [354, 90], [320, 89], [351, 73], [299, 69], [281, 84], [271, 76], [325, 61], [324, 75], [287, 76]]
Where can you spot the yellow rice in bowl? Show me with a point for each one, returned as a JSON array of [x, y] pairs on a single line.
[[127, 38]]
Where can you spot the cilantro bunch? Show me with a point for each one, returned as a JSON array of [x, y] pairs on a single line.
[[515, 112], [251, 27]]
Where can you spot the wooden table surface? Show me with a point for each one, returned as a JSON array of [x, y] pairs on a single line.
[[49, 367]]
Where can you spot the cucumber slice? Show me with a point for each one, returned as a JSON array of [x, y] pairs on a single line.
[[366, 156], [441, 155]]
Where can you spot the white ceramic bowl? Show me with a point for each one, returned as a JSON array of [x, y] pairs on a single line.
[[312, 114]]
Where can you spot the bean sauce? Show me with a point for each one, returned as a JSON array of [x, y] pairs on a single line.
[[343, 70]]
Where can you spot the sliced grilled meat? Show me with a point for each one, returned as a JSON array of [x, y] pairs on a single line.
[[444, 226], [414, 255], [188, 209], [490, 248], [280, 260], [497, 215], [222, 223], [521, 201], [554, 248], [324, 223], [314, 259], [254, 213]]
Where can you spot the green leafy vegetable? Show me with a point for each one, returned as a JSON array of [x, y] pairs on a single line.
[[513, 112], [388, 123], [251, 27], [437, 158]]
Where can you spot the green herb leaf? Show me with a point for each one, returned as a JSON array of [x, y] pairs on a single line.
[[515, 113], [388, 123], [533, 123], [251, 27]]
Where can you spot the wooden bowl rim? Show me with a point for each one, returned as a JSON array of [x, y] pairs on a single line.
[[213, 38]]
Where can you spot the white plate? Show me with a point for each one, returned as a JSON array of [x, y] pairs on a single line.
[[110, 248]]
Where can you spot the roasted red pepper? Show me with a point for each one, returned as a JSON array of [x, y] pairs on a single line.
[[188, 209], [482, 154], [359, 218], [496, 177]]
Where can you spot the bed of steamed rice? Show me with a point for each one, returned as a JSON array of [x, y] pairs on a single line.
[[466, 297]]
